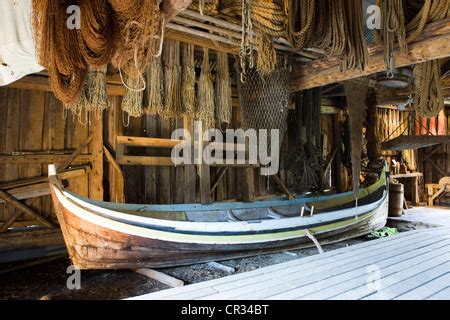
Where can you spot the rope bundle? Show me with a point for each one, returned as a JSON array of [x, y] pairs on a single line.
[[155, 88], [172, 79], [223, 90], [429, 97], [335, 26], [188, 80], [205, 93], [268, 16], [267, 56], [392, 30], [301, 22], [208, 7], [418, 14]]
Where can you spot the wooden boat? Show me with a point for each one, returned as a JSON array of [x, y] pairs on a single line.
[[101, 235]]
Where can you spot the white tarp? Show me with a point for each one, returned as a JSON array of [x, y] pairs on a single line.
[[17, 50]]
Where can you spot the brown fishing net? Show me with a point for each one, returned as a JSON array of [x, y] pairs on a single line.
[[356, 90], [126, 32], [264, 100], [140, 38], [57, 48]]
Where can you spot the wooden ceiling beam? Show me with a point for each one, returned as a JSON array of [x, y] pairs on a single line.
[[433, 43], [39, 82]]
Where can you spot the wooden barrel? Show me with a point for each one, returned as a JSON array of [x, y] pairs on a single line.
[[396, 199]]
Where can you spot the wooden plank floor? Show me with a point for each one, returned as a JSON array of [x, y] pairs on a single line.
[[412, 265]]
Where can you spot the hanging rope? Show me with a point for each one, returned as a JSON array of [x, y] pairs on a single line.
[[422, 12], [188, 80], [356, 55], [172, 79], [429, 97], [205, 96], [267, 55], [418, 14], [205, 7], [301, 22], [267, 16], [133, 98], [392, 31], [246, 51], [223, 90], [155, 88], [93, 98]]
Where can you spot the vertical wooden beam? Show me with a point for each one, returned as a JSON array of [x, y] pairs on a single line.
[[3, 111], [247, 178], [205, 184], [337, 132], [190, 176], [96, 191], [150, 172], [165, 182]]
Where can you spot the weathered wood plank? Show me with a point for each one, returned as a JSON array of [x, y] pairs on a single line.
[[310, 262], [400, 258], [96, 191]]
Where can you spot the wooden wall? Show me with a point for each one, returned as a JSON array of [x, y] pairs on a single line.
[[33, 123]]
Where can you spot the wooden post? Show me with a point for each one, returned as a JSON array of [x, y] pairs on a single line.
[[337, 131], [247, 182], [190, 177], [96, 178]]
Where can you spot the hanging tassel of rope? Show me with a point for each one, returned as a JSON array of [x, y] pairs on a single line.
[[93, 98], [172, 79], [133, 99], [206, 93], [223, 90], [356, 91], [429, 97], [188, 80], [155, 88]]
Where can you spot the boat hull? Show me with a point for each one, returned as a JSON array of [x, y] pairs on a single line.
[[93, 246]]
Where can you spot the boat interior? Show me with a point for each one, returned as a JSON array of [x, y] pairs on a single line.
[[277, 208]]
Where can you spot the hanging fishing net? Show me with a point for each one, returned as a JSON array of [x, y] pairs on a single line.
[[264, 101]]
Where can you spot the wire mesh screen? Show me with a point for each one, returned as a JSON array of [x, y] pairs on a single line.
[[264, 101]]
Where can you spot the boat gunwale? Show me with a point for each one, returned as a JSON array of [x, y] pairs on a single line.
[[241, 227]]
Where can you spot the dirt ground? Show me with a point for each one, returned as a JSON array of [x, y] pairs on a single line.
[[49, 279]]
